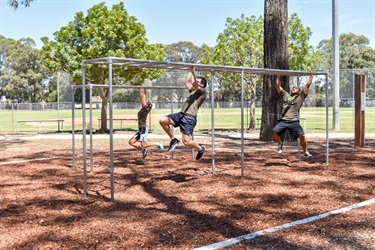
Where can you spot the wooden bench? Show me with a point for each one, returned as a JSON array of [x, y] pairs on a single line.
[[87, 106], [40, 123], [258, 121], [119, 119]]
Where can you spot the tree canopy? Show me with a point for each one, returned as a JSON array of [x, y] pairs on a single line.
[[176, 52], [101, 33], [355, 56], [15, 4], [355, 52], [301, 53], [241, 44], [183, 52], [23, 73]]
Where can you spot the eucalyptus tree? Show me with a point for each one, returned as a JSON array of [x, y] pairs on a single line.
[[181, 51], [4, 47], [301, 54], [23, 73], [101, 33], [16, 3], [355, 55], [240, 44], [275, 57]]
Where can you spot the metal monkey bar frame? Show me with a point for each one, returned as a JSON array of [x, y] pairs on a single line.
[[111, 62]]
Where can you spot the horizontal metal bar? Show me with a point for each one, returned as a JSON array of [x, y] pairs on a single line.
[[130, 62], [129, 86]]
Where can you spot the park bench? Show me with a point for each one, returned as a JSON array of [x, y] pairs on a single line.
[[45, 120], [119, 119]]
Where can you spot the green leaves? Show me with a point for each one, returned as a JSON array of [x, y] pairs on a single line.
[[23, 73], [240, 44], [101, 33], [301, 53], [355, 56], [15, 4]]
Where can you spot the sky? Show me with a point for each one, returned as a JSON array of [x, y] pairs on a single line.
[[197, 21]]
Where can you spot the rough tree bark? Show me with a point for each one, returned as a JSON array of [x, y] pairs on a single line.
[[103, 122], [252, 106], [275, 57]]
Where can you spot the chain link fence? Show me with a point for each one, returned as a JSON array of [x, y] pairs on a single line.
[[10, 113]]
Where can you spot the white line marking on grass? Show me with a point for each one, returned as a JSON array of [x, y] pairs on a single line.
[[37, 159], [233, 241]]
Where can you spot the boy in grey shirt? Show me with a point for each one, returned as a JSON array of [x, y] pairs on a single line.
[[186, 119]]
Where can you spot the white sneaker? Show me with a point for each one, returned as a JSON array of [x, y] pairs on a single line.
[[280, 148], [307, 154], [160, 146]]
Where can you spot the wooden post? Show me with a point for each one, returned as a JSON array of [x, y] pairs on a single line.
[[360, 105]]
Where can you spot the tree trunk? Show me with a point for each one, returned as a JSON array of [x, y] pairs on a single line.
[[103, 116], [103, 121], [252, 107], [275, 57]]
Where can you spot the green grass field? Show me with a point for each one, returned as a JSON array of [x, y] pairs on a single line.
[[225, 119]]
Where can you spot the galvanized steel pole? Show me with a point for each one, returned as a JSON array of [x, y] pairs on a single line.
[[336, 67]]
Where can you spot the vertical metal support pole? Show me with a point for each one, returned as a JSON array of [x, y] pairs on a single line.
[[13, 119], [299, 148], [242, 125], [172, 113], [111, 131], [299, 119], [91, 149], [327, 122], [84, 129], [58, 95], [73, 132], [353, 102], [192, 149], [298, 140], [213, 122], [150, 116], [363, 107], [192, 137], [336, 66]]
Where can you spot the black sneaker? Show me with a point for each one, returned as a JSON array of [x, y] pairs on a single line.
[[280, 148], [173, 144], [200, 153], [144, 153]]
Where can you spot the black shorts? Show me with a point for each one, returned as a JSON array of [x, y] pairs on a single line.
[[185, 122], [293, 126]]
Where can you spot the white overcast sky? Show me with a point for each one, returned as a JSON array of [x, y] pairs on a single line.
[[198, 21]]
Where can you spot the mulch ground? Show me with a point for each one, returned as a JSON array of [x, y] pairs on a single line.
[[170, 201]]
